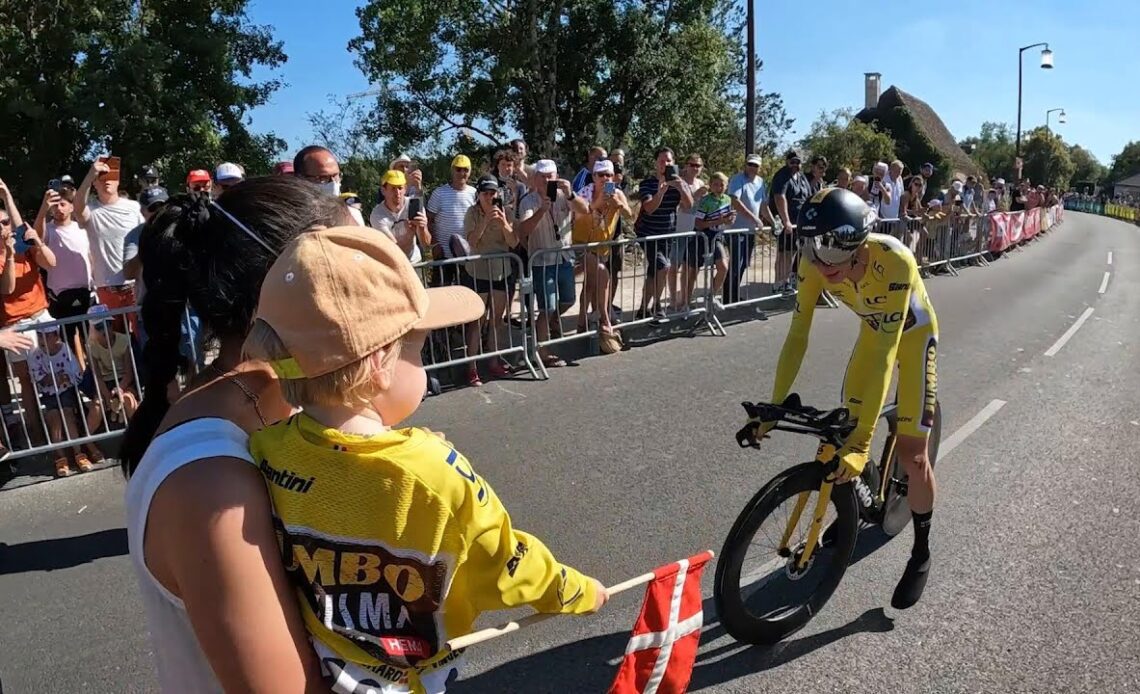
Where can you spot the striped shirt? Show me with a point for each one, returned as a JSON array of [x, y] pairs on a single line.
[[449, 206], [663, 220]]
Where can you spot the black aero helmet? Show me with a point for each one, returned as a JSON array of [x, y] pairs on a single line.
[[833, 224]]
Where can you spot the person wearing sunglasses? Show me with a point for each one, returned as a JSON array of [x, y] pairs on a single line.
[[876, 276]]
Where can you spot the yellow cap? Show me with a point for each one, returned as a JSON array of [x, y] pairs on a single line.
[[461, 162], [335, 296], [394, 177]]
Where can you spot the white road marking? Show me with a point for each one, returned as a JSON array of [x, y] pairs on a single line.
[[968, 428], [1110, 257], [1104, 283], [1052, 351]]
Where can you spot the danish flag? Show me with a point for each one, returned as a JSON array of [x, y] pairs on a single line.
[[660, 655]]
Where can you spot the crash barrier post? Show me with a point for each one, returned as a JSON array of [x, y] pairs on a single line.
[[501, 280], [624, 276], [57, 397]]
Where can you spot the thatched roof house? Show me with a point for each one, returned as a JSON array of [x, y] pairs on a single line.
[[920, 135]]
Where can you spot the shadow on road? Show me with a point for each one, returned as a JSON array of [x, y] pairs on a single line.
[[584, 666], [63, 552]]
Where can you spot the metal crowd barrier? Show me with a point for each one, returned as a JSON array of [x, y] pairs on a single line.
[[51, 397], [497, 277], [623, 265], [756, 267]]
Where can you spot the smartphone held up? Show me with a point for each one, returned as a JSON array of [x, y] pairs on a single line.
[[114, 165]]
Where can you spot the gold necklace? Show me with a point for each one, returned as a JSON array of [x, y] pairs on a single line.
[[250, 395]]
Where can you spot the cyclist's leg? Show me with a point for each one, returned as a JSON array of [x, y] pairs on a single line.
[[917, 396]]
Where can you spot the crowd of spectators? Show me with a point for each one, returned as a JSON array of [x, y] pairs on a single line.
[[80, 257]]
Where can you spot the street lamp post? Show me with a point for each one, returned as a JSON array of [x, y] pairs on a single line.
[[1046, 63], [750, 98], [1060, 119]]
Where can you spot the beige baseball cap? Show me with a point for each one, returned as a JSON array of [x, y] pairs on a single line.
[[337, 295]]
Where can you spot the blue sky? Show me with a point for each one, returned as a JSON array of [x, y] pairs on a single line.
[[960, 57]]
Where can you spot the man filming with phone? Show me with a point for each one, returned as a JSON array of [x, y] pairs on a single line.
[[402, 218], [108, 219], [544, 228], [879, 194]]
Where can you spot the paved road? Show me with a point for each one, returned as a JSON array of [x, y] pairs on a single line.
[[626, 462]]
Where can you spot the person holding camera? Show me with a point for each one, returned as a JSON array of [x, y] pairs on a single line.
[[544, 227], [607, 204], [661, 196], [69, 282], [108, 219], [25, 302], [402, 218], [488, 232], [878, 194]]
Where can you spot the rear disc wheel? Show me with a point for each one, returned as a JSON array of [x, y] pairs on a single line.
[[896, 510]]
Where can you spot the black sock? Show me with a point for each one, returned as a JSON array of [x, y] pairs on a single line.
[[921, 548]]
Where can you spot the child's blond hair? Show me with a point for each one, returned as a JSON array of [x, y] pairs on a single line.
[[354, 385]]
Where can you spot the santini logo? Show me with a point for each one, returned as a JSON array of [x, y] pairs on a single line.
[[286, 479]]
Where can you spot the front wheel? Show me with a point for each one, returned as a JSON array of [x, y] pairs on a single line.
[[896, 510], [765, 602]]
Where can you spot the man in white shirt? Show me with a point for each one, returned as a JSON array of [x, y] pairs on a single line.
[[108, 219], [544, 229], [889, 207], [448, 205], [391, 216]]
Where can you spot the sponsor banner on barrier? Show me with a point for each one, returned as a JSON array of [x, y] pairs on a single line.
[[1032, 224], [999, 222]]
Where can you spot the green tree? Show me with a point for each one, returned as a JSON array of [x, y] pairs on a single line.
[[993, 149], [1086, 169], [152, 81], [567, 74], [1046, 159], [1125, 164], [847, 142]]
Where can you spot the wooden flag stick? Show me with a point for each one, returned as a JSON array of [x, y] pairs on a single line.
[[489, 633]]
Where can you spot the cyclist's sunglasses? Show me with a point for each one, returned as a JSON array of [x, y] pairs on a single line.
[[817, 250]]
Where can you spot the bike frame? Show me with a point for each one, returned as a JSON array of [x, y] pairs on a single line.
[[827, 451]]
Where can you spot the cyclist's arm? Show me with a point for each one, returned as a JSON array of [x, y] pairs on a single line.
[[881, 361], [795, 344]]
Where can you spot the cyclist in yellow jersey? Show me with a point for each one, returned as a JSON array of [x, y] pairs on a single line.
[[876, 276]]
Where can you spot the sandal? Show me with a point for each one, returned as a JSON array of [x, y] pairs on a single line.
[[62, 469], [551, 361], [83, 463]]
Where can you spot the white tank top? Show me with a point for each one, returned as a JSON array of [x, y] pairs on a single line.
[[182, 666]]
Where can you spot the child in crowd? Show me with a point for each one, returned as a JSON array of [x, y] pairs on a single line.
[[56, 373], [112, 371], [393, 543], [713, 214]]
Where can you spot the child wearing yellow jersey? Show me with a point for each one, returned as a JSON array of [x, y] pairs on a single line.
[[393, 542]]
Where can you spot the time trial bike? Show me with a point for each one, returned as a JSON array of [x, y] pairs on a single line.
[[805, 525]]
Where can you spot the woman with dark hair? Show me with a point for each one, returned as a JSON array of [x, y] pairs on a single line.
[[221, 613]]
